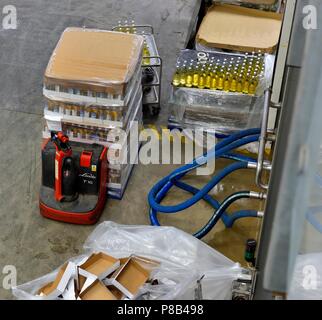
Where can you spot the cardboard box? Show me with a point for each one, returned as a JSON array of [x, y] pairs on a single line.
[[240, 29], [84, 282], [70, 291], [94, 60], [259, 2], [97, 291], [100, 265], [130, 278], [57, 287]]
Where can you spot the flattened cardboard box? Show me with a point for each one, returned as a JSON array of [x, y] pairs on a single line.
[[96, 60], [100, 265], [241, 29]]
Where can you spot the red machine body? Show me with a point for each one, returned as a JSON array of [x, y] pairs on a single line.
[[74, 179]]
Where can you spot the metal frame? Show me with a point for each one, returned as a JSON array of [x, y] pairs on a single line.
[[155, 106], [295, 158]]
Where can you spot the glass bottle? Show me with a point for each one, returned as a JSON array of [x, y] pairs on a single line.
[[183, 74], [189, 77], [202, 79], [195, 78], [176, 76]]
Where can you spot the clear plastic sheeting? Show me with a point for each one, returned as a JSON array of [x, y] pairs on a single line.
[[184, 260], [307, 278], [215, 110]]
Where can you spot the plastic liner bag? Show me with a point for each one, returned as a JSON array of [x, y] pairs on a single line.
[[183, 261], [307, 278]]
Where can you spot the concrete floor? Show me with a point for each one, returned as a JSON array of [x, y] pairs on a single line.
[[36, 245]]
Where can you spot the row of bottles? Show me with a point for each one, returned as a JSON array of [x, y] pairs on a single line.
[[86, 132], [92, 112], [129, 27], [235, 74]]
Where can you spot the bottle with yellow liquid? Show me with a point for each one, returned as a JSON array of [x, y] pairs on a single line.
[[214, 80], [240, 84], [208, 76], [189, 77], [146, 54], [227, 82], [202, 79], [233, 83], [195, 78], [176, 76], [220, 82], [246, 84], [183, 74], [253, 85]]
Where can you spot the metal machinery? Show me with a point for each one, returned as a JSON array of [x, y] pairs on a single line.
[[288, 230]]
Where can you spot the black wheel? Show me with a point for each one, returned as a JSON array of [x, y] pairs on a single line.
[[155, 111]]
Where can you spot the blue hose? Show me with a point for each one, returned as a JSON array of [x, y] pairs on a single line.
[[222, 150]]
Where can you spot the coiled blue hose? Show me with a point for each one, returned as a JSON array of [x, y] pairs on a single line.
[[222, 150]]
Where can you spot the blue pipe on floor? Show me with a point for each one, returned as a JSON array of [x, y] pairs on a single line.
[[222, 150]]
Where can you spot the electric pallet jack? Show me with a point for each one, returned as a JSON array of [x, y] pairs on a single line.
[[74, 178]]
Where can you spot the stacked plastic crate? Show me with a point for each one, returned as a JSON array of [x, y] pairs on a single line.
[[93, 92]]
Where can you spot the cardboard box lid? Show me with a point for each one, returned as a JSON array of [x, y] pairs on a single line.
[[94, 56], [238, 28], [97, 291]]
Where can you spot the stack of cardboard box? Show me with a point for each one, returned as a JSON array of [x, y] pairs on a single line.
[[92, 88], [100, 277]]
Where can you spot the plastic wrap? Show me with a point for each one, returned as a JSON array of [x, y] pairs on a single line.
[[98, 63], [184, 260], [215, 110], [89, 130], [97, 116]]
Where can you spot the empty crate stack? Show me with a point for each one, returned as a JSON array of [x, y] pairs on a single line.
[[93, 92]]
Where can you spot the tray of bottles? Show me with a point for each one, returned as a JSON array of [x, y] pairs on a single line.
[[92, 115], [84, 96], [118, 182], [227, 72], [93, 134]]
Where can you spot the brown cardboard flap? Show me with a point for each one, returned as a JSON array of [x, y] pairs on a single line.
[[97, 291], [116, 292], [46, 289], [52, 286], [94, 57], [99, 263], [241, 29]]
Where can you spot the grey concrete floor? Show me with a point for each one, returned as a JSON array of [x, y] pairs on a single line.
[[36, 245]]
